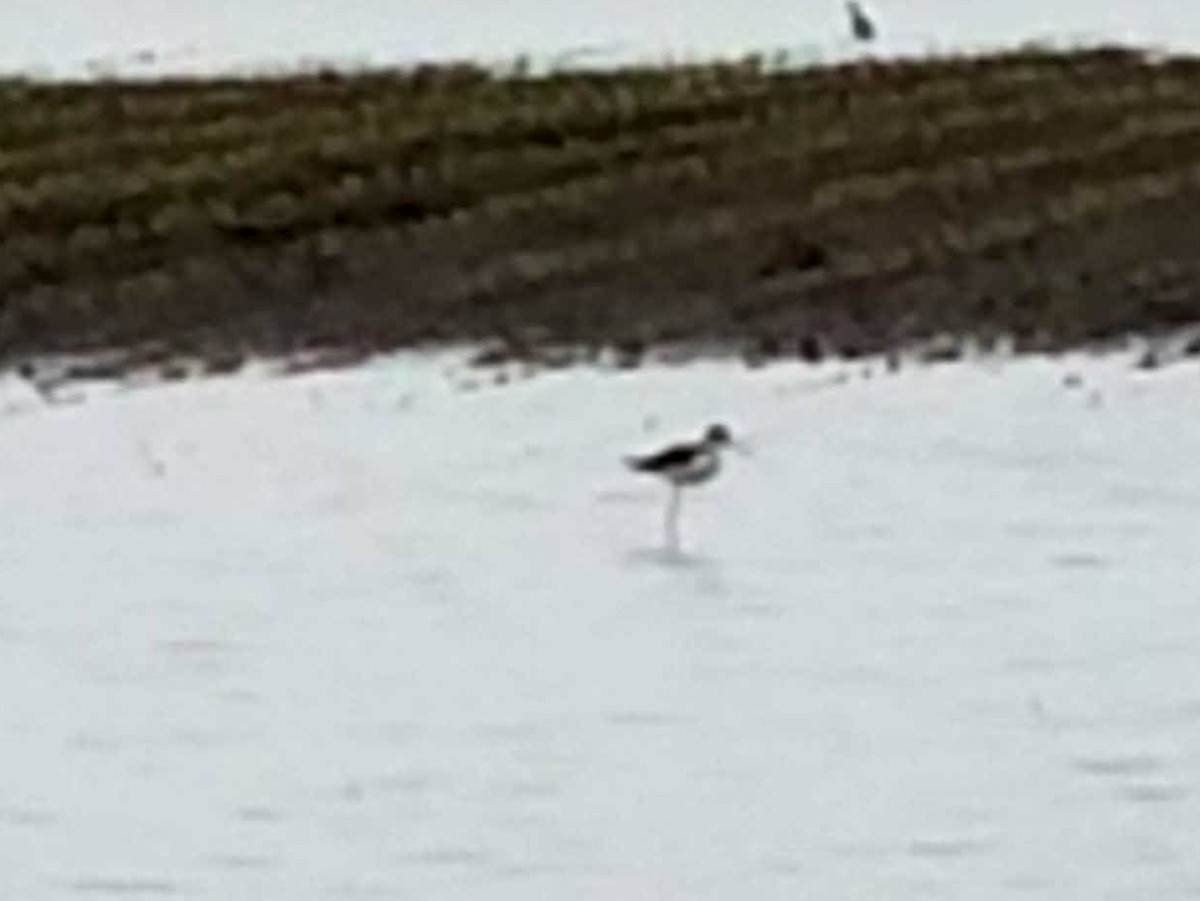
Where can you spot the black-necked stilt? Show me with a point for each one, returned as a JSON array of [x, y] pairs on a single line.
[[683, 465], [861, 25]]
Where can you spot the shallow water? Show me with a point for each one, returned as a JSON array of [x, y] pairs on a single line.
[[365, 635]]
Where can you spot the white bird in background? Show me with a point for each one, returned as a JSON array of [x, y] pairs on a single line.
[[684, 465], [861, 25]]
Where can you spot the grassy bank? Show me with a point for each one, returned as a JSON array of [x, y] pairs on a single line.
[[1050, 196]]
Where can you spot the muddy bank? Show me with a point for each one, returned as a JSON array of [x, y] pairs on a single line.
[[1050, 197]]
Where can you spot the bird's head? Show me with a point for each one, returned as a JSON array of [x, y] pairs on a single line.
[[718, 435]]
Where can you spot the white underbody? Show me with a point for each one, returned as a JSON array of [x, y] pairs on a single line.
[[702, 467]]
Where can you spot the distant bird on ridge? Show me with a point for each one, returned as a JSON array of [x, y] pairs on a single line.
[[861, 25]]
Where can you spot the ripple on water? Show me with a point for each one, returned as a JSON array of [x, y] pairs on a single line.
[[647, 719], [242, 863], [1155, 792], [199, 655], [1186, 711], [948, 847], [1080, 560], [27, 817], [188, 647], [100, 885], [1139, 778], [198, 649], [1118, 765], [415, 782], [1029, 883], [670, 559], [259, 814], [761, 610], [1039, 664], [388, 733], [449, 856], [506, 732], [862, 851], [531, 789], [96, 742]]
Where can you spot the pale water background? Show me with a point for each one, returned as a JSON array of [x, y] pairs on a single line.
[[394, 634]]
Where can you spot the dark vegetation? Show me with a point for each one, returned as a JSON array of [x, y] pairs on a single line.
[[1053, 197]]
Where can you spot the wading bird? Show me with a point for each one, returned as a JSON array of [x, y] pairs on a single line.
[[861, 25], [683, 465]]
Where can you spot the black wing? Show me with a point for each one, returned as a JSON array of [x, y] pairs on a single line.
[[672, 458]]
